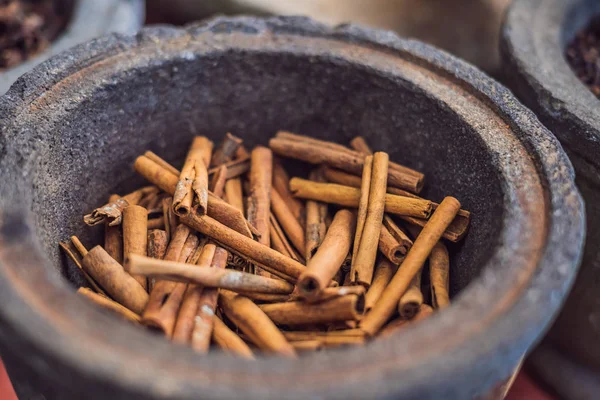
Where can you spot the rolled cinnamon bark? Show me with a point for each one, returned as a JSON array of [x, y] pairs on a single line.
[[288, 222], [281, 183], [390, 248], [316, 212], [350, 197], [265, 297], [154, 157], [113, 278], [207, 304], [170, 218], [217, 208], [157, 248], [113, 237], [234, 193], [330, 256], [251, 320], [363, 206], [398, 233], [217, 183], [328, 339], [112, 212], [135, 236], [411, 301], [439, 270], [211, 277], [229, 341], [109, 304], [384, 271], [455, 232], [193, 178], [351, 162], [360, 144], [259, 201], [269, 259], [317, 142], [338, 291], [184, 325], [235, 168], [430, 235], [280, 242], [363, 262], [155, 223], [73, 253], [424, 312], [344, 308], [226, 150]]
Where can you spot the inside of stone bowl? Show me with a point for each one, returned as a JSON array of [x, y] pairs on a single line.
[[160, 108]]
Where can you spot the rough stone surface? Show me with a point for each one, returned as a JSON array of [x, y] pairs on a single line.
[[73, 126], [535, 37], [90, 19]]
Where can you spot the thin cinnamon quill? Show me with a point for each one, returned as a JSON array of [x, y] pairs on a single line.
[[363, 262], [384, 271], [211, 277], [115, 280], [363, 205], [350, 197], [316, 213], [226, 150], [430, 235], [193, 178], [157, 248], [74, 253], [281, 183], [424, 312], [170, 218], [112, 212], [288, 222], [154, 157], [135, 235], [352, 162], [109, 304], [113, 237], [251, 320], [330, 255], [439, 268], [229, 341], [280, 242], [234, 193], [360, 144], [411, 301], [328, 339]]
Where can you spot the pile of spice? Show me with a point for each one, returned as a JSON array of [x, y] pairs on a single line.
[[583, 54], [230, 251], [27, 27]]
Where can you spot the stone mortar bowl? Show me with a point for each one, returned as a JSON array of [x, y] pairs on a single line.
[[89, 19], [535, 36], [74, 125]]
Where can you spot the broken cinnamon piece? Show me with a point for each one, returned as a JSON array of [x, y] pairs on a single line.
[[135, 235], [109, 304], [226, 150]]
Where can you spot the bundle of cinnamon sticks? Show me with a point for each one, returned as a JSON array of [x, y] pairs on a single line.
[[229, 252]]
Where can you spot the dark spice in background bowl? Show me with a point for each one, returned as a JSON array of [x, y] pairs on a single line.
[[583, 54], [27, 27]]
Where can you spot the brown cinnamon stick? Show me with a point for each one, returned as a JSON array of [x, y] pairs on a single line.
[[390, 248], [328, 339], [113, 237], [135, 236], [234, 193], [360, 144], [316, 213], [288, 222], [193, 178], [351, 162], [411, 301], [344, 308], [226, 150], [400, 323], [430, 235], [302, 346], [340, 177], [281, 183], [350, 197], [330, 256], [169, 217], [280, 242], [113, 278], [363, 206], [398, 233], [269, 259], [229, 341], [154, 157], [112, 212], [259, 201], [363, 262], [109, 304], [439, 269], [251, 320], [211, 277], [157, 248], [384, 271], [217, 183], [76, 256]]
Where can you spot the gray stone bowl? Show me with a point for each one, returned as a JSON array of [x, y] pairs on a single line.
[[89, 19], [534, 40], [74, 125]]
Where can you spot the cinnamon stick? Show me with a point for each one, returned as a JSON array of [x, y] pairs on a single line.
[[251, 320], [154, 157], [338, 291], [113, 278], [411, 301], [398, 233], [234, 193], [302, 346], [269, 259], [328, 339], [350, 197], [155, 223], [113, 237], [316, 212], [363, 206], [109, 304], [157, 248], [135, 235], [211, 277], [112, 212], [259, 201], [226, 149], [281, 183], [363, 262], [280, 242], [235, 168], [424, 312], [170, 218], [351, 162], [334, 175], [217, 184], [389, 247], [229, 341], [288, 222], [344, 308], [439, 269], [75, 255], [430, 235], [384, 271], [207, 304], [193, 178], [330, 256]]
